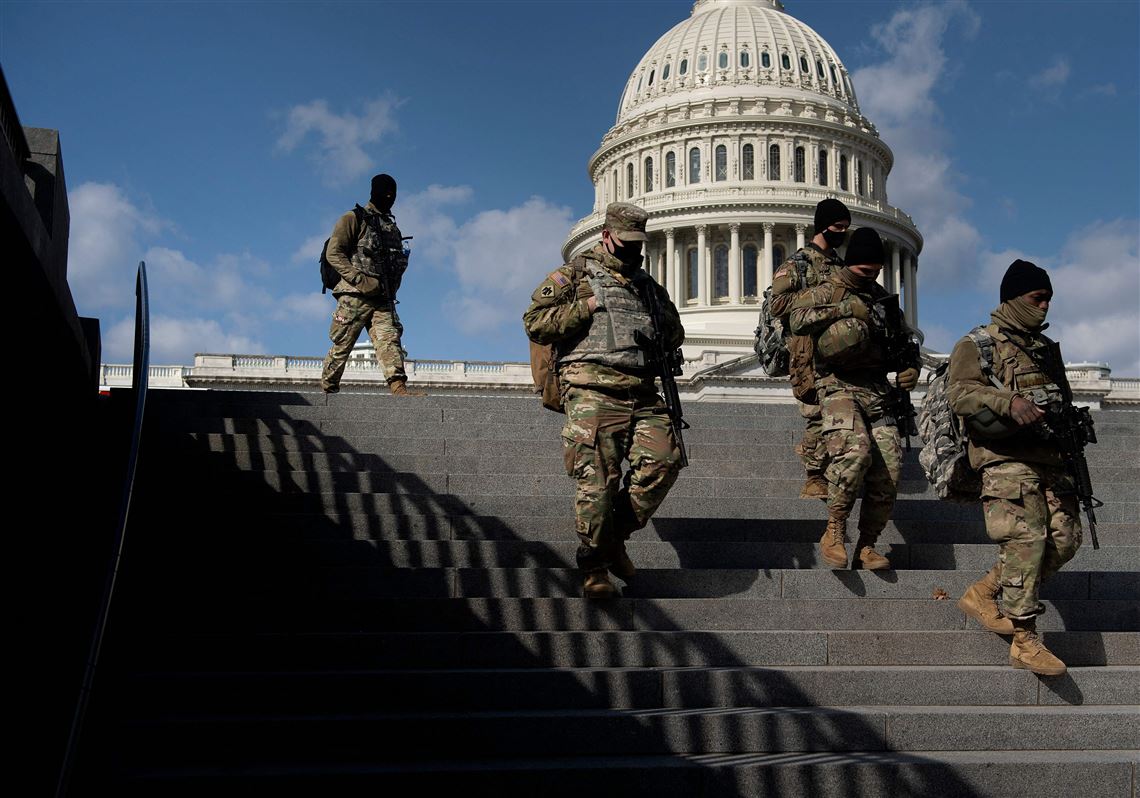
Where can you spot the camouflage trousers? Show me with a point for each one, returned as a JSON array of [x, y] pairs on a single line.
[[354, 313], [602, 430], [863, 455], [1031, 510], [811, 451]]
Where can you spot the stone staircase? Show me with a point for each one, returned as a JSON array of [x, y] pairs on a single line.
[[359, 594]]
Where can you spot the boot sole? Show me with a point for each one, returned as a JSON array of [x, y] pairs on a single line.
[[863, 566], [835, 564], [1039, 671], [971, 612]]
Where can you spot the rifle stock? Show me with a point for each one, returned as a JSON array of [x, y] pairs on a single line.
[[668, 364]]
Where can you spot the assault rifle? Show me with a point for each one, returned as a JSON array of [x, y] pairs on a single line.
[[668, 363], [903, 349], [1071, 429]]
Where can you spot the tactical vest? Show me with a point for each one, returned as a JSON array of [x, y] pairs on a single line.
[[612, 337], [380, 250], [1019, 372]]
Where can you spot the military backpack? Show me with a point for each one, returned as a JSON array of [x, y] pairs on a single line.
[[330, 276], [544, 359], [944, 456], [771, 341]]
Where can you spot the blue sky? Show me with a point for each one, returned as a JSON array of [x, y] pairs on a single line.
[[220, 141]]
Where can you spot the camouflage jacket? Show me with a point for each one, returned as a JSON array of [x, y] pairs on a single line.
[[787, 281], [344, 248], [557, 316], [970, 391]]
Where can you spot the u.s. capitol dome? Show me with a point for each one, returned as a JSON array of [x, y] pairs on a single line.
[[729, 130]]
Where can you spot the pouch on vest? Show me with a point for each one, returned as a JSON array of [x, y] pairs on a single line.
[[544, 373], [801, 371]]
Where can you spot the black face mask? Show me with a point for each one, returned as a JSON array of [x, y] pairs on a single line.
[[629, 254], [834, 239], [384, 202]]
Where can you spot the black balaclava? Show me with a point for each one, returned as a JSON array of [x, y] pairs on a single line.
[[1021, 278], [383, 192], [866, 248], [629, 253]]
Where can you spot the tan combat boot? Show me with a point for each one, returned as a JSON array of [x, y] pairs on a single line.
[[865, 555], [980, 603], [1028, 652], [815, 487], [597, 584], [399, 387], [622, 566], [832, 546]]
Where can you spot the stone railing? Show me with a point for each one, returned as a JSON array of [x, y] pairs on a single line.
[[711, 377]]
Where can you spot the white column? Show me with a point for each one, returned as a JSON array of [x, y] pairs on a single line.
[[734, 273], [914, 289], [766, 258], [882, 278], [800, 230], [908, 282], [671, 266], [702, 266], [896, 269]]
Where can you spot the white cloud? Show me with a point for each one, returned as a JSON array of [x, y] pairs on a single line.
[[898, 95], [296, 307], [1053, 76], [1103, 89], [176, 340], [104, 247], [309, 250], [423, 216], [339, 150]]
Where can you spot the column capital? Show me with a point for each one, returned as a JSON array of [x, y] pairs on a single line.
[[801, 229], [669, 232], [701, 228], [734, 227], [768, 227]]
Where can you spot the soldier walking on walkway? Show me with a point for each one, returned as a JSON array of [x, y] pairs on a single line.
[[594, 311], [1004, 377], [859, 408]]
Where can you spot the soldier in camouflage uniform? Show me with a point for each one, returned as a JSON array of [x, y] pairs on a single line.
[[1030, 501], [593, 311], [858, 425], [809, 267], [366, 292]]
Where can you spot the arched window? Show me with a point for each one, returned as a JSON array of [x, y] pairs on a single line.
[[745, 59], [722, 59], [721, 163], [648, 174], [670, 169], [843, 181], [774, 162], [785, 61], [818, 69], [777, 256], [652, 72], [695, 165], [684, 68], [834, 77], [640, 78], [702, 62], [720, 272], [751, 279], [804, 65], [748, 163], [822, 167], [665, 72], [799, 170], [859, 183], [628, 180], [616, 191], [765, 60], [691, 276]]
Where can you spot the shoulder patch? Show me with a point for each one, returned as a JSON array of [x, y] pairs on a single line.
[[547, 290], [558, 278]]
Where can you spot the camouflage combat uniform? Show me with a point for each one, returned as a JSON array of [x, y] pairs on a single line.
[[613, 410], [787, 282], [348, 251], [1030, 502], [857, 422]]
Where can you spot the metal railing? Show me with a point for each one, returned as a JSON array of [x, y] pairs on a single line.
[[139, 383]]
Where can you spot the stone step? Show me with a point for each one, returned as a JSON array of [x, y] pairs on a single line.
[[594, 649], [399, 737], [279, 528], [649, 554], [415, 497], [625, 688], [220, 612], [948, 774]]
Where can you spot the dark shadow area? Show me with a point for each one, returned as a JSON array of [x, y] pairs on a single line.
[[311, 612]]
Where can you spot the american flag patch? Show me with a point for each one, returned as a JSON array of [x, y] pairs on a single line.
[[558, 278]]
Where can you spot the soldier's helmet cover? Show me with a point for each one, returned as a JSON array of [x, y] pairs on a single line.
[[844, 342], [626, 221]]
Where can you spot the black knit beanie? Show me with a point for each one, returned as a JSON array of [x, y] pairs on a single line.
[[865, 248], [828, 212], [1021, 278]]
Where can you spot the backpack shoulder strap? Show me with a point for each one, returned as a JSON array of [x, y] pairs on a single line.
[[984, 340]]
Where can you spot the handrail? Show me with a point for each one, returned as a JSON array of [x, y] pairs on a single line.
[[139, 383]]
